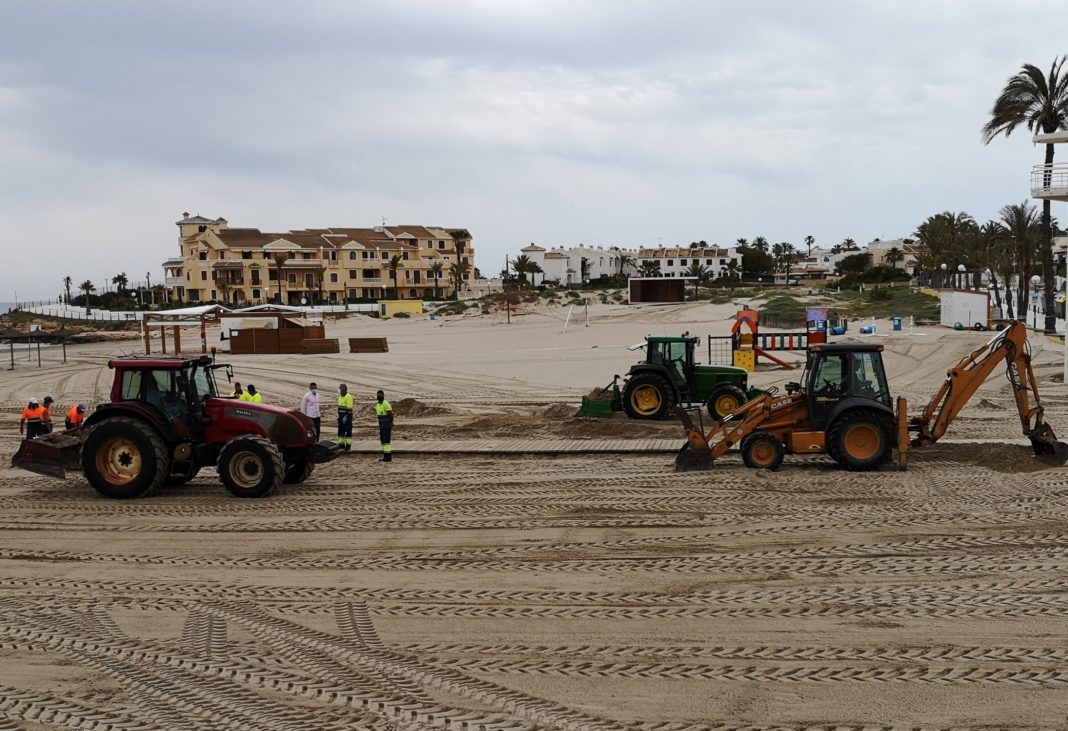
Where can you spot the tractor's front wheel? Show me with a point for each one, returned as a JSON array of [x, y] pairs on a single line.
[[124, 458], [724, 399], [251, 466], [859, 441], [762, 451], [647, 396]]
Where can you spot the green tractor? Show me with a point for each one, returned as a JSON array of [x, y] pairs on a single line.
[[669, 376]]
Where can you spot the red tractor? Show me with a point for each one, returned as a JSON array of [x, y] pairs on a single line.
[[165, 421]]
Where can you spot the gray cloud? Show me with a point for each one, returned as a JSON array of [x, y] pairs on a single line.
[[560, 122]]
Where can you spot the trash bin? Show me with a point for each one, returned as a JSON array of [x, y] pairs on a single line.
[[867, 329], [433, 316], [897, 323]]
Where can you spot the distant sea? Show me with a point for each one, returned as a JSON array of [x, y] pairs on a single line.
[[5, 306]]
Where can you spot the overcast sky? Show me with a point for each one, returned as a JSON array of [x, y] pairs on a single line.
[[615, 122]]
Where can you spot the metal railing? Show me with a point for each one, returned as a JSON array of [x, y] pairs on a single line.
[[1049, 180]]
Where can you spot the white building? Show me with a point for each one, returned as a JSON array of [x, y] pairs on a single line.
[[564, 265], [676, 261]]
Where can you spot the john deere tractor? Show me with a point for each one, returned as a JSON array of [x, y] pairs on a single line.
[[669, 376]]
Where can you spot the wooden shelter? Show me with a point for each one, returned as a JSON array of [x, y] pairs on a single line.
[[176, 320], [658, 289], [265, 332]]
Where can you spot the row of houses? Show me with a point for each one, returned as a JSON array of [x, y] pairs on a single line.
[[218, 263], [579, 264]]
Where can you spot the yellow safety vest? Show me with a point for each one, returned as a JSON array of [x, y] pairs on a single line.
[[345, 403], [383, 409], [257, 399]]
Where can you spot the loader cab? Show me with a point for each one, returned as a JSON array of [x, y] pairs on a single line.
[[843, 375]]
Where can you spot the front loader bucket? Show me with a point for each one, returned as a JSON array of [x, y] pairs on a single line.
[[695, 454], [1046, 446], [51, 454]]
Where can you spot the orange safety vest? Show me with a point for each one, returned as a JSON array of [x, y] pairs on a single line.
[[34, 416], [74, 416]]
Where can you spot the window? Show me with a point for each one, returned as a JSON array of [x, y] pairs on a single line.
[[203, 276], [408, 274], [214, 295], [333, 255], [441, 244], [255, 276], [292, 279], [405, 256], [131, 382], [187, 276], [385, 255], [203, 256], [255, 294], [353, 274], [370, 274], [201, 229], [333, 278], [368, 255], [682, 262], [430, 244], [246, 254], [352, 256], [671, 262], [309, 280], [412, 293]]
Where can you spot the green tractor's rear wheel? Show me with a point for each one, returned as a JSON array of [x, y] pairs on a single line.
[[724, 399], [647, 396]]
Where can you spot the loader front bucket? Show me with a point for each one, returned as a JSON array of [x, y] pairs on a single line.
[[1047, 447], [695, 454], [51, 455]]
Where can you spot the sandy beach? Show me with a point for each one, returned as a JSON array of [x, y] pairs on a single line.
[[555, 592]]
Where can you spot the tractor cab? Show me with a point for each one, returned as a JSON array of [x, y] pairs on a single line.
[[840, 376], [674, 355], [176, 388]]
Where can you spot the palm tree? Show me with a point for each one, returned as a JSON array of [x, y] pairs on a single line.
[[458, 271], [67, 282], [87, 288], [810, 241], [224, 290], [1040, 103], [584, 269], [120, 281], [649, 268], [1024, 229], [535, 268], [998, 257], [698, 271], [319, 270], [849, 244], [460, 238], [625, 260], [742, 242], [893, 255], [435, 272], [393, 265], [734, 272], [760, 244], [280, 260], [521, 266]]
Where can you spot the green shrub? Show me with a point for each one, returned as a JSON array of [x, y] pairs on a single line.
[[403, 315], [880, 294]]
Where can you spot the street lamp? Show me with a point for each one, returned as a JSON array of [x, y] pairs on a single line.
[[1035, 281], [942, 277], [961, 279]]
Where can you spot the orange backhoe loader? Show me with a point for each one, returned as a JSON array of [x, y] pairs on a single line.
[[844, 409]]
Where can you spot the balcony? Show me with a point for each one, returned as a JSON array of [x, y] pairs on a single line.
[[1050, 182], [174, 282]]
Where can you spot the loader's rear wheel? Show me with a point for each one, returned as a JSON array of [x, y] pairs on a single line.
[[724, 400], [859, 441], [647, 396], [124, 458], [762, 451], [298, 471], [251, 466]]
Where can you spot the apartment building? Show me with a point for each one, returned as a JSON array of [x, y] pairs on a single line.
[[676, 261], [321, 265], [565, 264]]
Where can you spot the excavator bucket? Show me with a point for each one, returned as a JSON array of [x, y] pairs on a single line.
[[695, 454], [1047, 447], [51, 455]]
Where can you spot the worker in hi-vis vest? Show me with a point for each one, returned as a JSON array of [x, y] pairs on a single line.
[[344, 417], [33, 418], [384, 412]]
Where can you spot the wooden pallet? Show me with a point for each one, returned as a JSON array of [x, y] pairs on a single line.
[[317, 346], [368, 345]]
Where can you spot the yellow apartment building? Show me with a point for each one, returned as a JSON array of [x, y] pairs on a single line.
[[218, 263]]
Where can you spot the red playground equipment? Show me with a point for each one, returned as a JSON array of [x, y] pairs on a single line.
[[749, 346]]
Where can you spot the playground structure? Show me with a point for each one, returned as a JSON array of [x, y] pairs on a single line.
[[748, 344]]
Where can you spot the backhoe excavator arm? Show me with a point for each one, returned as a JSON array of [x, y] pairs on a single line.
[[965, 378]]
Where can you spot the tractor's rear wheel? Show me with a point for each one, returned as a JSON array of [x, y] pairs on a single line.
[[762, 451], [724, 399], [859, 440], [647, 396], [251, 466], [125, 458], [298, 471]]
